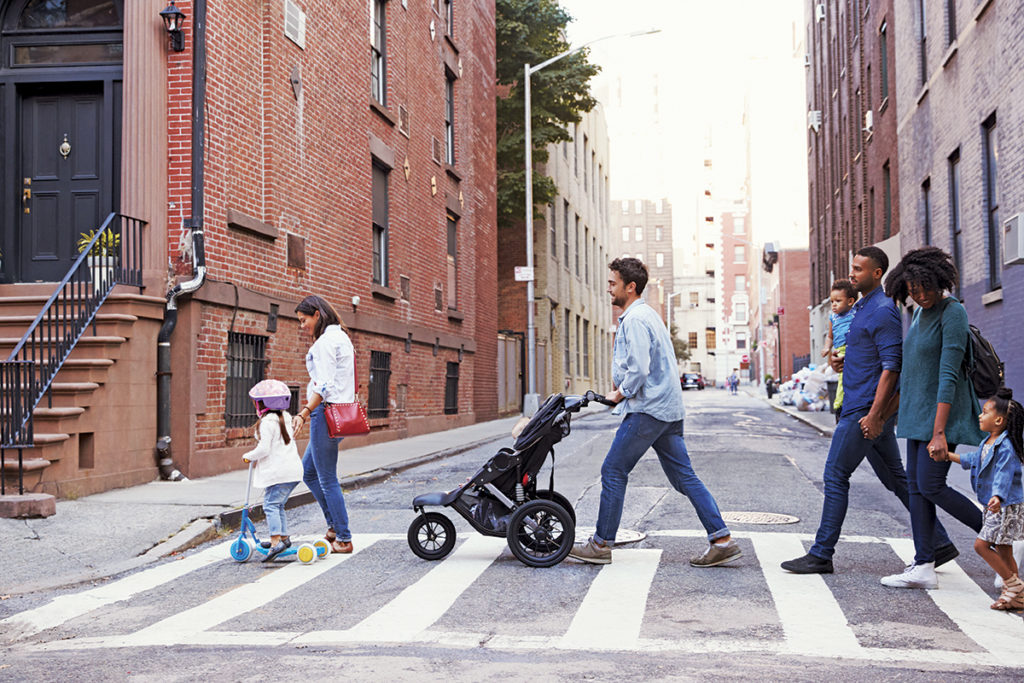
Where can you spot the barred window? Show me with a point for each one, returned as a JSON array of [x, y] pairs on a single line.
[[451, 389], [246, 361], [380, 381]]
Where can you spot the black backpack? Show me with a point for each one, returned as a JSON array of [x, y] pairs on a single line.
[[982, 365]]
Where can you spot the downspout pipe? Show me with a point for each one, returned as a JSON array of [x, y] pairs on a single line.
[[165, 462]]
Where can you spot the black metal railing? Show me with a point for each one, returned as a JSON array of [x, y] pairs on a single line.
[[109, 256]]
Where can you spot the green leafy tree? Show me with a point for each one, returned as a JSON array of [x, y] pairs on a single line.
[[681, 348], [531, 32]]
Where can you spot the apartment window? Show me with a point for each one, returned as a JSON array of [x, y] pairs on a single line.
[[709, 338], [691, 340], [659, 205], [638, 234], [579, 367], [625, 234], [625, 207], [694, 299], [449, 117], [246, 361], [883, 61], [739, 315], [638, 206], [741, 283], [452, 259], [659, 259], [597, 263], [887, 199], [950, 21], [553, 229], [640, 257], [586, 255], [380, 225], [657, 233], [449, 24], [379, 404], [378, 54], [741, 340], [739, 254], [739, 225], [954, 212], [565, 233], [577, 254], [567, 360], [586, 152], [871, 215], [451, 387], [586, 349], [576, 149], [990, 159], [926, 198]]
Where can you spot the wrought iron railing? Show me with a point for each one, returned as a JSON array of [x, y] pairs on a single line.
[[111, 256]]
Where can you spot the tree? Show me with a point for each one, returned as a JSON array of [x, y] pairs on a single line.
[[530, 32], [681, 348]]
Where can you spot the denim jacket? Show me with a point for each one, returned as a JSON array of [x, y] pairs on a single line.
[[644, 365], [997, 475]]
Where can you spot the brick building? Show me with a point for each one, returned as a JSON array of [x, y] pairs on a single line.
[[734, 253], [853, 189], [779, 319], [961, 144], [345, 149]]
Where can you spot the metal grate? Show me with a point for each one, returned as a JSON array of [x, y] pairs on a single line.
[[246, 362], [451, 389], [380, 381]]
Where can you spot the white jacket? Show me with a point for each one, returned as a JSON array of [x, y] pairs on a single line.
[[276, 461]]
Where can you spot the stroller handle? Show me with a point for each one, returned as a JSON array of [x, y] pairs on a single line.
[[592, 396]]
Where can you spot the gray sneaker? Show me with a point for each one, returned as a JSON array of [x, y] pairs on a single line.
[[591, 552], [716, 555]]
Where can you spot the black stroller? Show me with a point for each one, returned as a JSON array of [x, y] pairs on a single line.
[[502, 498]]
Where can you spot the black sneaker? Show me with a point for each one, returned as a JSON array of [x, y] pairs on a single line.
[[281, 546], [944, 554], [808, 564]]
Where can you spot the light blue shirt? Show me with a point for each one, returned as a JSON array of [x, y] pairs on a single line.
[[644, 365], [995, 471]]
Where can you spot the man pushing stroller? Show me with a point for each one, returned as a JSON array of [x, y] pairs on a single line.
[[644, 372]]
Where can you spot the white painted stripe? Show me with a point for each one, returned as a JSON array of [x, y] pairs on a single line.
[[698, 533], [418, 606], [811, 617], [184, 627], [67, 607], [967, 606], [610, 616]]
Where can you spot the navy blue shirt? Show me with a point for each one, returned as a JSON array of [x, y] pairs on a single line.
[[873, 343]]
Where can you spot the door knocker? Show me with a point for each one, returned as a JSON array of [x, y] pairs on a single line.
[[65, 147]]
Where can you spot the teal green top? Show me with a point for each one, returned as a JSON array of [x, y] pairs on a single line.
[[932, 373]]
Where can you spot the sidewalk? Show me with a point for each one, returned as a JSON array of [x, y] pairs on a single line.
[[107, 533]]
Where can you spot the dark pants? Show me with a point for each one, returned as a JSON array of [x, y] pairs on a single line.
[[928, 488]]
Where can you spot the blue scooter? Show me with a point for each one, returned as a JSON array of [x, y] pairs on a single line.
[[243, 547]]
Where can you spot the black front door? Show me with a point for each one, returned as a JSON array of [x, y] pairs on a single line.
[[61, 175]]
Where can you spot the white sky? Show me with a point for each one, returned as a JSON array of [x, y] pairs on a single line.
[[667, 95]]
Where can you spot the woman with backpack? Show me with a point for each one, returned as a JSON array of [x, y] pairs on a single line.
[[938, 406]]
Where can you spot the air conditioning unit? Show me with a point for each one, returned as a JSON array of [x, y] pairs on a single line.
[[819, 11], [814, 119], [295, 23], [1013, 240], [869, 121]]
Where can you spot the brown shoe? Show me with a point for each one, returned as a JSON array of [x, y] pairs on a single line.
[[343, 547], [330, 535]]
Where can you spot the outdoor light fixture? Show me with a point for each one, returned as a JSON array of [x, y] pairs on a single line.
[[174, 20]]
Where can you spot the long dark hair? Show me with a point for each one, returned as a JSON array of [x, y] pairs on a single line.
[[1013, 413], [313, 304], [929, 267], [280, 419]]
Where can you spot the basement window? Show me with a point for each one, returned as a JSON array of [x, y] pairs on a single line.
[[246, 362]]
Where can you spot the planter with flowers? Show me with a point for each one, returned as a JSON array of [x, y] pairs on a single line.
[[102, 257]]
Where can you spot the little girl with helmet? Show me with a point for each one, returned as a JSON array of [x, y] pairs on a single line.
[[278, 468]]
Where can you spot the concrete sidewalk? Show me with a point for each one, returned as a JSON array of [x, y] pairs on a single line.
[[104, 534]]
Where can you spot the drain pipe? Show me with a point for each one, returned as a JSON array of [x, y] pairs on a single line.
[[163, 351]]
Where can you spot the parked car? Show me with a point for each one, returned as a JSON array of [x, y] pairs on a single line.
[[692, 380]]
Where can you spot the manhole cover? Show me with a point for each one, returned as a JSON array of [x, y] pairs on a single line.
[[758, 518], [623, 537]]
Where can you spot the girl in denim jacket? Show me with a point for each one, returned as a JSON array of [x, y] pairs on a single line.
[[996, 478]]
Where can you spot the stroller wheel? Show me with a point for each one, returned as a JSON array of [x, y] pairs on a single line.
[[431, 536], [541, 533], [241, 549], [548, 494]]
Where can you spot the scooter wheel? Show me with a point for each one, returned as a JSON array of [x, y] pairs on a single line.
[[306, 553], [241, 549], [322, 547], [431, 536]]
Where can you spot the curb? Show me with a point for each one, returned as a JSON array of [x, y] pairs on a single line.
[[795, 414]]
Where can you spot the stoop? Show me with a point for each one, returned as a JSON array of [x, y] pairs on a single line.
[[28, 505]]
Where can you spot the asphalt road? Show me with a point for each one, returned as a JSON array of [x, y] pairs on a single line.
[[385, 613]]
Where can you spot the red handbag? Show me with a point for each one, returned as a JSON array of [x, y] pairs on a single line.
[[346, 419]]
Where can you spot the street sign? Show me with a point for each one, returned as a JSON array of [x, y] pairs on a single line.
[[746, 359], [524, 274], [782, 311]]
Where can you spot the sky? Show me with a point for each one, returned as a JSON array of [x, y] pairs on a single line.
[[677, 96]]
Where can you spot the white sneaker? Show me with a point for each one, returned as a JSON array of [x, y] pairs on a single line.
[[1018, 555], [914, 576]]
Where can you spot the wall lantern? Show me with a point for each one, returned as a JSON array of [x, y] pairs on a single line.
[[174, 20]]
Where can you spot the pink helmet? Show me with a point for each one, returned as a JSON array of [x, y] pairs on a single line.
[[275, 394]]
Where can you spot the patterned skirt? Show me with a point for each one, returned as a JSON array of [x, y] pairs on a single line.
[[1003, 527]]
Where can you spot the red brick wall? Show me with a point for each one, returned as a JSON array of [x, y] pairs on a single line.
[[794, 271]]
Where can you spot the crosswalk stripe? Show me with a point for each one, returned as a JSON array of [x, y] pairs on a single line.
[[810, 615], [967, 605], [610, 615], [66, 607], [424, 602]]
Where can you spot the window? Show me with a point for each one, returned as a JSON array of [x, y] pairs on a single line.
[[739, 314], [659, 206], [990, 160], [950, 21], [638, 234], [380, 225], [449, 29], [586, 254], [378, 54], [741, 283], [449, 117], [954, 212], [586, 349], [246, 360], [739, 226], [709, 338], [694, 299], [659, 259], [741, 340], [638, 206], [926, 198], [379, 404], [577, 259], [625, 234], [739, 254], [565, 233], [657, 233], [576, 149], [887, 199], [586, 149], [579, 367], [453, 301], [567, 360], [451, 386], [552, 228], [640, 257], [922, 42], [691, 340], [883, 61], [625, 207]]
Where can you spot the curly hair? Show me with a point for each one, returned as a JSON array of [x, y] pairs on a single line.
[[846, 287], [929, 267], [1013, 412], [631, 270]]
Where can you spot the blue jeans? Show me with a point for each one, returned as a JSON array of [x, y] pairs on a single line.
[[274, 498], [848, 449], [320, 473], [635, 435], [927, 489]]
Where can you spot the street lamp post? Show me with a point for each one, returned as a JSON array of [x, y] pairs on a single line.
[[532, 401]]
